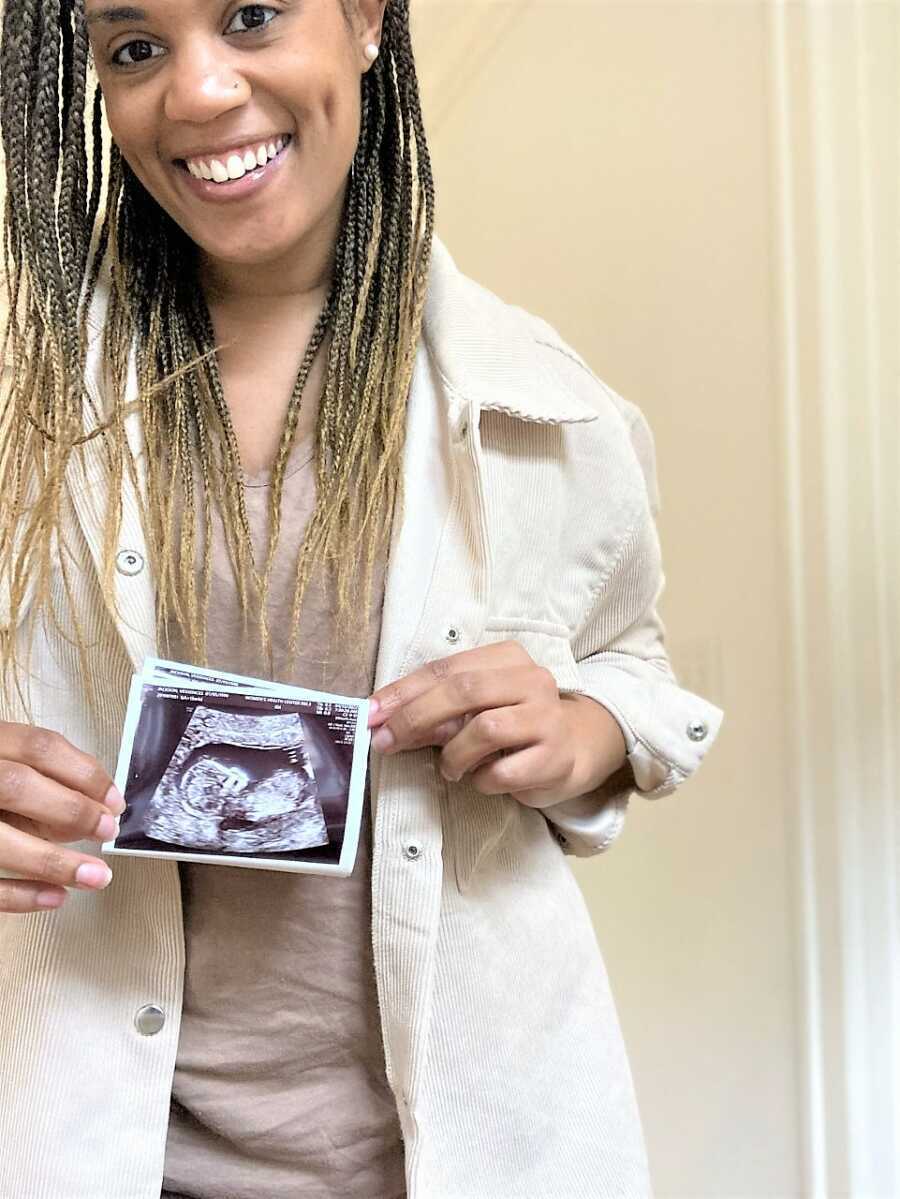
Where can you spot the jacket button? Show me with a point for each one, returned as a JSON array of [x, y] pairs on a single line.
[[453, 635], [697, 730], [129, 562], [149, 1019], [412, 852]]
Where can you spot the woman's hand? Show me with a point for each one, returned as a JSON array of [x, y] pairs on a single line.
[[50, 793], [501, 719]]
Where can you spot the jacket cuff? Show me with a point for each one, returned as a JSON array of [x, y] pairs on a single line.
[[668, 730], [590, 823]]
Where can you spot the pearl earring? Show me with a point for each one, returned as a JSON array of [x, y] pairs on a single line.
[[371, 52]]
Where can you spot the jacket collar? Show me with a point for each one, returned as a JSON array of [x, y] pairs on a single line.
[[489, 357], [488, 353]]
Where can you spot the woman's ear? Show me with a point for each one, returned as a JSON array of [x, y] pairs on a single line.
[[368, 18]]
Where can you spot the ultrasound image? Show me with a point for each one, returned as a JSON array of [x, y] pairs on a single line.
[[239, 783]]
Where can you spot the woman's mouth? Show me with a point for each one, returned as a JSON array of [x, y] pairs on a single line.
[[236, 171]]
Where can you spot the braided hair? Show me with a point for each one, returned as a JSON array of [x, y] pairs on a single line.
[[75, 212]]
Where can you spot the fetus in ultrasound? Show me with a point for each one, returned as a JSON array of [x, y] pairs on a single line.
[[239, 783]]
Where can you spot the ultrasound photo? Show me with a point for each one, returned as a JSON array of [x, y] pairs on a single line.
[[216, 771], [239, 783]]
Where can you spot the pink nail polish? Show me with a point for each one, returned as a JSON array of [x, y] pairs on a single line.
[[383, 739], [107, 827], [114, 801], [95, 875]]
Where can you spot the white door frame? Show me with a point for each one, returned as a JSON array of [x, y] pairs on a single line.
[[835, 105]]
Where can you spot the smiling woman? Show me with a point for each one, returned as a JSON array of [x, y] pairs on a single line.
[[190, 82], [207, 84], [256, 418]]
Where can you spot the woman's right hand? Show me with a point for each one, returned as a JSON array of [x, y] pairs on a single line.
[[50, 793]]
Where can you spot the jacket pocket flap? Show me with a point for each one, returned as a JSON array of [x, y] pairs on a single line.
[[546, 644]]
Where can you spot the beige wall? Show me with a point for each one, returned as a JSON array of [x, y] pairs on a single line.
[[607, 165], [703, 195]]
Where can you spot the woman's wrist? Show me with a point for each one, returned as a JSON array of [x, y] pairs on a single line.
[[600, 747]]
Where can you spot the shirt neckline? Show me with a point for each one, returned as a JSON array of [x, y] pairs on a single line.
[[301, 455]]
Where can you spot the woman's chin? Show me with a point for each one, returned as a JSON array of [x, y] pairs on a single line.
[[243, 253]]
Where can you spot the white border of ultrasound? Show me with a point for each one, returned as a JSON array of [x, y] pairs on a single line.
[[158, 672]]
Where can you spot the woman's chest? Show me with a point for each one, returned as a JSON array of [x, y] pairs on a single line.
[[511, 529], [554, 505], [259, 368]]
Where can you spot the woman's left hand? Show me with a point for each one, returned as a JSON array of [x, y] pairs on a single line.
[[500, 718]]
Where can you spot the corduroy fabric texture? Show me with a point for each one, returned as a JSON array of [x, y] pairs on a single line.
[[529, 514]]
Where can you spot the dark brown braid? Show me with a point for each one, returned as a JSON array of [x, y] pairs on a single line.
[[60, 249]]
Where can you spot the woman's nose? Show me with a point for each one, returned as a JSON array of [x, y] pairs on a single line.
[[203, 88]]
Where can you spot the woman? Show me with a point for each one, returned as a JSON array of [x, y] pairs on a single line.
[[255, 418]]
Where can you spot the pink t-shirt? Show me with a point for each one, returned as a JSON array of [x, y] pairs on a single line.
[[280, 1086]]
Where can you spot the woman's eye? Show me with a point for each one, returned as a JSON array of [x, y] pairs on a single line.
[[134, 53], [250, 16]]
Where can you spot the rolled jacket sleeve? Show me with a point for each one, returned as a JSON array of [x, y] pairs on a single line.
[[623, 665]]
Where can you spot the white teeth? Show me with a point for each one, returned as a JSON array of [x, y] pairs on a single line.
[[237, 164]]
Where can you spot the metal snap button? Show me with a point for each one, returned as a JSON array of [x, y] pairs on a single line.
[[129, 562], [412, 852], [453, 635], [698, 730], [149, 1019]]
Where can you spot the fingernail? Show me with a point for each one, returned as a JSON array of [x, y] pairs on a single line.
[[374, 707], [50, 899], [107, 827], [95, 875], [114, 801], [383, 739]]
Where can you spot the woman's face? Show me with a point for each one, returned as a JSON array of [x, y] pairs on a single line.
[[267, 94]]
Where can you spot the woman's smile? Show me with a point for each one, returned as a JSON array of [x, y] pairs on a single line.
[[235, 172], [211, 104]]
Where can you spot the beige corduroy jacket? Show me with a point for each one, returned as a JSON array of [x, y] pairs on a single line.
[[530, 499]]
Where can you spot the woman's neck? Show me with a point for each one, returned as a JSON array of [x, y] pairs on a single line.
[[301, 279]]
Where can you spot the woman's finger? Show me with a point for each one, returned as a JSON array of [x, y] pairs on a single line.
[[69, 814], [496, 731], [17, 897], [533, 776], [33, 827], [461, 694], [52, 755], [447, 731], [386, 701], [36, 860]]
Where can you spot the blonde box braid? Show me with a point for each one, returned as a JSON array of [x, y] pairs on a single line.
[[57, 245]]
